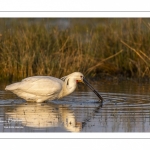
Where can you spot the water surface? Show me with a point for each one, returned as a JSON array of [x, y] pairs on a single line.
[[126, 108]]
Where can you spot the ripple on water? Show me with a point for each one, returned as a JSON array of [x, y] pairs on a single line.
[[79, 112]]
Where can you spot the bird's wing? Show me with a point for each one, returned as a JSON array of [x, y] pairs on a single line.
[[64, 78], [41, 85]]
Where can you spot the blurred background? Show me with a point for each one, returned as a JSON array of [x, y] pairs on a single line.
[[97, 47]]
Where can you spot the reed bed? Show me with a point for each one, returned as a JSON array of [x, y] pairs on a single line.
[[57, 47]]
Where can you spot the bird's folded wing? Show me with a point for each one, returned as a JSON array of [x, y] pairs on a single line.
[[39, 85]]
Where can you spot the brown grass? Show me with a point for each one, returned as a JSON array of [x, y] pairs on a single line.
[[96, 47]]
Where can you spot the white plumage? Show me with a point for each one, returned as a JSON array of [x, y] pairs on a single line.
[[42, 88]]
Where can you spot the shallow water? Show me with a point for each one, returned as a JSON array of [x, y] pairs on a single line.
[[126, 108]]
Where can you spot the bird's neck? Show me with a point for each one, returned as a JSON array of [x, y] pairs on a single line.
[[69, 86]]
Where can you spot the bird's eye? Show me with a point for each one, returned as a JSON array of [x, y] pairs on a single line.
[[81, 76]]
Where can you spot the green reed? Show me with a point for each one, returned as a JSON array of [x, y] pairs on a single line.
[[96, 47]]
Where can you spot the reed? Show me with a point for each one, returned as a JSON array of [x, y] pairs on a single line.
[[57, 47]]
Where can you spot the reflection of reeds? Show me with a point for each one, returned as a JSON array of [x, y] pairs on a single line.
[[92, 46]]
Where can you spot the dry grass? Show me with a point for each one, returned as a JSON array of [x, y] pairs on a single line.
[[96, 47]]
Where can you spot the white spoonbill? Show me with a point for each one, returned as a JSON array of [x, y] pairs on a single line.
[[42, 88]]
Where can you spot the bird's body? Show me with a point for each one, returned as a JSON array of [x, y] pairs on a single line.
[[37, 88], [42, 88]]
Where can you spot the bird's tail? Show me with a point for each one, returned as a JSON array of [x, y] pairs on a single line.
[[12, 87]]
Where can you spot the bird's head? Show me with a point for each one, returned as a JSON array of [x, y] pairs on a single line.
[[79, 77]]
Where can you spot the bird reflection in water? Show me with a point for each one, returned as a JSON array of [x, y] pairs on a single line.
[[44, 115]]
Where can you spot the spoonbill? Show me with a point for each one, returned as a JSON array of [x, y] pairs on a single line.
[[42, 88]]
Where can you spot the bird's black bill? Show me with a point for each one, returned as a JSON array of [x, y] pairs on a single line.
[[90, 86]]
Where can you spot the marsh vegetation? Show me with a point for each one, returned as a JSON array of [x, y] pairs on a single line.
[[57, 47]]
